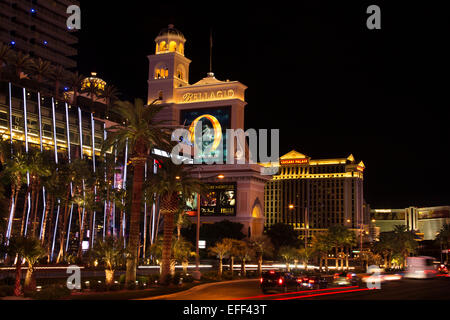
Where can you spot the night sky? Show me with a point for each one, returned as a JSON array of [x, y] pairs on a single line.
[[314, 71]]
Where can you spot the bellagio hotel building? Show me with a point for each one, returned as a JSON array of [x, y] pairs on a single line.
[[312, 195]]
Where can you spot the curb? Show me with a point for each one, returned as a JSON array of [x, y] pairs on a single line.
[[196, 288]]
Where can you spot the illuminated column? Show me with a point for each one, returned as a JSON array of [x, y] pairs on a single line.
[[81, 157], [40, 142], [93, 166], [104, 209], [54, 233], [125, 187], [145, 213], [71, 187], [8, 231], [155, 170], [56, 161], [26, 150], [114, 204]]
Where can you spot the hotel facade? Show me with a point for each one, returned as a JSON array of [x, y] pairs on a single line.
[[239, 195], [314, 194], [39, 29], [425, 221]]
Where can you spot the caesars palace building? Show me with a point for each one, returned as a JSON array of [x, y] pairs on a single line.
[[314, 194], [236, 191]]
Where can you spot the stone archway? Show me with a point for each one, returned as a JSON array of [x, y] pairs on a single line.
[[257, 222]]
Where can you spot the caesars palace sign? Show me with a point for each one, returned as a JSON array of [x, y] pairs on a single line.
[[208, 95]]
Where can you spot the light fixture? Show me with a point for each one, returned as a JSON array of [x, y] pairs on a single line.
[[220, 176], [291, 206], [177, 177]]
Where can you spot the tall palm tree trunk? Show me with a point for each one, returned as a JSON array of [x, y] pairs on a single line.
[[17, 284], [49, 236], [168, 209], [135, 218], [220, 267]]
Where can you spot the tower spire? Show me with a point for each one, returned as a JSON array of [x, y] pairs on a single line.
[[210, 73]]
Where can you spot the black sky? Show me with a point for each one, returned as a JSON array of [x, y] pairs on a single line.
[[314, 71]]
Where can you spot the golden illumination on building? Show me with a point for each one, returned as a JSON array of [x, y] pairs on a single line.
[[328, 191], [93, 80]]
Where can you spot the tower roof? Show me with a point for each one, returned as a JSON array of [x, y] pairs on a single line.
[[170, 30], [293, 155]]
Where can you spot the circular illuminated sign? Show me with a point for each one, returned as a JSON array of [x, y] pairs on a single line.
[[216, 126]]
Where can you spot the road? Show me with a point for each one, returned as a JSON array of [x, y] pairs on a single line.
[[406, 289]]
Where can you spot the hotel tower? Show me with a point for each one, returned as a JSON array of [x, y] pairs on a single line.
[[314, 194]]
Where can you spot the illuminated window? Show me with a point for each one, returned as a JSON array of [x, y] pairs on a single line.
[[181, 48], [172, 46], [163, 46]]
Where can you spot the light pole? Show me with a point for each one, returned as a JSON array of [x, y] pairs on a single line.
[[196, 274]]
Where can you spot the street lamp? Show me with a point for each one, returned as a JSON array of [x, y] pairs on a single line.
[[196, 274]]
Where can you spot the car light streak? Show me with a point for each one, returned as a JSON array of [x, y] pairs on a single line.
[[323, 294], [290, 293]]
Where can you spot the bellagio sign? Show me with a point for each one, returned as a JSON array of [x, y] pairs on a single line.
[[208, 95]]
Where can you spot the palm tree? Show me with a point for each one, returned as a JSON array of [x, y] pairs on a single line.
[[172, 183], [338, 236], [5, 54], [405, 242], [21, 63], [74, 81], [110, 251], [305, 254], [57, 75], [92, 91], [244, 252], [221, 250], [385, 247], [182, 251], [321, 243], [181, 221], [110, 93], [142, 133], [16, 173], [262, 246], [31, 250], [41, 70], [288, 254]]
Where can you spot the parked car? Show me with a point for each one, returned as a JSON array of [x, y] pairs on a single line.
[[314, 282], [346, 279], [280, 281]]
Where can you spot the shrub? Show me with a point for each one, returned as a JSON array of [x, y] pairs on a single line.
[[98, 286], [6, 291], [122, 279], [187, 278], [152, 278], [9, 281], [53, 292], [176, 278]]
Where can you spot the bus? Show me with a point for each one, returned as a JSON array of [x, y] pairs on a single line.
[[420, 267]]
